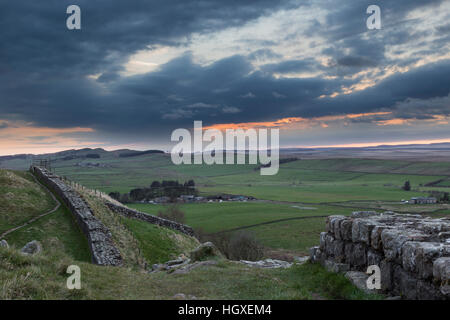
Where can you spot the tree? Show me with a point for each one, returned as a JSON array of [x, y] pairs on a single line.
[[190, 183], [115, 195], [407, 186], [155, 184], [125, 198]]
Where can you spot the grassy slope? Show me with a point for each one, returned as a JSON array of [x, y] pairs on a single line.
[[21, 199], [43, 277], [30, 199], [58, 226], [140, 243], [158, 244]]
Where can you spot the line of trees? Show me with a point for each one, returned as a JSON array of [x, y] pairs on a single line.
[[165, 188]]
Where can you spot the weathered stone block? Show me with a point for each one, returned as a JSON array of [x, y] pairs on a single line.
[[346, 229], [405, 283], [355, 230], [329, 245], [348, 249], [365, 229], [363, 214], [336, 226], [358, 256], [427, 291], [387, 272], [441, 269], [393, 241], [338, 250], [409, 256], [426, 253], [373, 257], [322, 241], [313, 253], [375, 237]]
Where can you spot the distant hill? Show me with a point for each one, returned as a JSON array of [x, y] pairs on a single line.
[[23, 161], [138, 153]]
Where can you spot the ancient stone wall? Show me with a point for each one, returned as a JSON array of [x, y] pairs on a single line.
[[413, 252], [131, 213], [99, 237]]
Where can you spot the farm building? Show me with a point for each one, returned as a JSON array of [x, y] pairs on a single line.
[[423, 200]]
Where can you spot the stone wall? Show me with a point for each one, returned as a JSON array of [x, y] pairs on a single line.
[[131, 213], [99, 237], [413, 252]]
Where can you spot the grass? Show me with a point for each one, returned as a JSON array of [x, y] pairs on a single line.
[[43, 276], [317, 193], [159, 244], [21, 199], [214, 217], [139, 242], [30, 199], [294, 235], [58, 225]]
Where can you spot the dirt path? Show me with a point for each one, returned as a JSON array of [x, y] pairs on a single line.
[[58, 204]]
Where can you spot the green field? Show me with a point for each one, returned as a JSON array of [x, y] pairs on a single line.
[[328, 186], [319, 187]]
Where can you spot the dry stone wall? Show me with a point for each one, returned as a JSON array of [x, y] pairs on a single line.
[[99, 237], [131, 213], [413, 252]]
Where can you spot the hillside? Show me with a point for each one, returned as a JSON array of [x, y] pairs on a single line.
[[24, 199], [43, 276], [21, 199]]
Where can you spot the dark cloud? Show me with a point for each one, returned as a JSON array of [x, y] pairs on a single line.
[[345, 29], [350, 61], [44, 66], [35, 39], [427, 82]]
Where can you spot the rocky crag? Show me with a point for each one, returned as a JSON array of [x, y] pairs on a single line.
[[99, 237], [412, 252]]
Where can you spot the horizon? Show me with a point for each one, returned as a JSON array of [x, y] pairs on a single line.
[[352, 146]]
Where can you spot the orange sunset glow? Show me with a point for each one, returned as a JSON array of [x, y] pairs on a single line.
[[285, 123]]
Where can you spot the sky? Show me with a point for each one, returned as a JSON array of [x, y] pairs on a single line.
[[139, 69]]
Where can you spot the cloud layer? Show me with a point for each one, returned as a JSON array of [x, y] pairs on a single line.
[[225, 62]]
